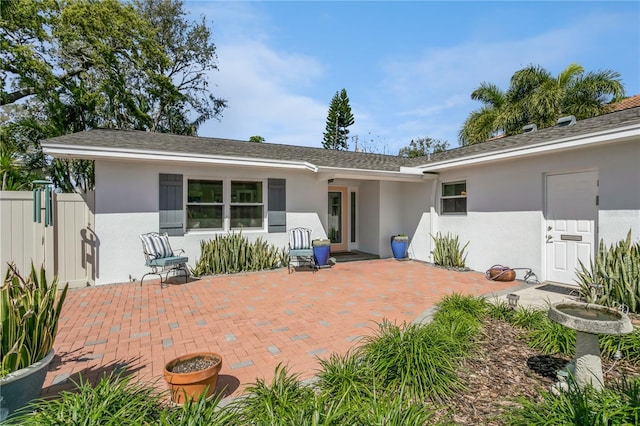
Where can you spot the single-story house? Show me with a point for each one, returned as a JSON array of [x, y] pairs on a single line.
[[542, 199]]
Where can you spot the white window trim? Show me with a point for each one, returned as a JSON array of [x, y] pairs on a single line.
[[449, 197], [226, 204]]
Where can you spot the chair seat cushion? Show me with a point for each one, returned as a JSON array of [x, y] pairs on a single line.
[[301, 252], [167, 261]]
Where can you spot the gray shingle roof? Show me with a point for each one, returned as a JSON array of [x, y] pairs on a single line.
[[168, 143], [582, 127]]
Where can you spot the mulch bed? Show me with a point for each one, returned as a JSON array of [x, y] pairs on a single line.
[[506, 368]]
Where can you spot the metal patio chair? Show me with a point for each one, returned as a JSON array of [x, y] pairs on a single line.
[[161, 258], [300, 248]]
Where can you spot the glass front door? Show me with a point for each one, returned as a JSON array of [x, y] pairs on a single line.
[[337, 218]]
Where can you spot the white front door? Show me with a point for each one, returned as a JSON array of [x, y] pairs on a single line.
[[571, 217]]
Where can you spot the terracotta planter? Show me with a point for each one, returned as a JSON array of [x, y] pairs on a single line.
[[191, 385]]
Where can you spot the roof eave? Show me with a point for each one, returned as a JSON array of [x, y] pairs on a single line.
[[101, 153], [403, 175], [573, 142]]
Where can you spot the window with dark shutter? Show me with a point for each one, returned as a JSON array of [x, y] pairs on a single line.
[[277, 205], [171, 206]]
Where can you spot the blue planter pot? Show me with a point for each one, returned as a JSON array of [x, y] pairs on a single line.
[[399, 248], [321, 254], [22, 386]]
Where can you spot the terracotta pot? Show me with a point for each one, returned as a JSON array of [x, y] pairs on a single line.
[[501, 274], [188, 386]]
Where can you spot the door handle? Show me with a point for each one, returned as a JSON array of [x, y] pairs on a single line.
[[549, 238]]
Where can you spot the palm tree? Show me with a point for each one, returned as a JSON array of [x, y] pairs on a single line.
[[484, 123], [535, 96]]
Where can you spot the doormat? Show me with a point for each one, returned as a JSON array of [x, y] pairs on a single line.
[[558, 289]]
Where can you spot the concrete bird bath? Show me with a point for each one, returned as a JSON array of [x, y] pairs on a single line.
[[589, 320]]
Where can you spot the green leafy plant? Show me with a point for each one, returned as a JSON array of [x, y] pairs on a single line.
[[447, 251], [619, 405], [616, 270], [627, 344], [270, 403], [553, 338], [345, 377], [233, 253], [116, 400], [29, 310], [113, 400], [414, 356]]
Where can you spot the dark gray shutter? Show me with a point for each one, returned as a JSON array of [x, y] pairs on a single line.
[[171, 205], [277, 214]]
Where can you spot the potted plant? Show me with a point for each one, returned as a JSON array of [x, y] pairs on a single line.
[[399, 245], [193, 375], [29, 310], [321, 250]]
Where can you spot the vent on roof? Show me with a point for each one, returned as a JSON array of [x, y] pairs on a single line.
[[529, 128], [569, 120]]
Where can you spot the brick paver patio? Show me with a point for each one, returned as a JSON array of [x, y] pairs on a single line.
[[254, 320]]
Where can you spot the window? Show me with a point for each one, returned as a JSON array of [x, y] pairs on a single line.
[[205, 204], [209, 200], [246, 209], [454, 198]]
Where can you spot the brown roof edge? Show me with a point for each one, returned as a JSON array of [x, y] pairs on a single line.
[[626, 103]]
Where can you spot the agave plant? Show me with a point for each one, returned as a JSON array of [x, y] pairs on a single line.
[[616, 270], [233, 253], [29, 310], [447, 252]]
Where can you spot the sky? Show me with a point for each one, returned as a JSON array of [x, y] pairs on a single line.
[[409, 68]]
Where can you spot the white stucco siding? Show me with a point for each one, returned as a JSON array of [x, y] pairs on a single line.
[[369, 217], [619, 190], [505, 222], [127, 206]]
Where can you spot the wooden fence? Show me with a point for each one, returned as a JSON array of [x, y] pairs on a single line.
[[67, 248]]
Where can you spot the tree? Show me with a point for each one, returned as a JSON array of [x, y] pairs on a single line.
[[338, 119], [78, 65], [256, 139], [370, 144], [423, 147], [535, 96]]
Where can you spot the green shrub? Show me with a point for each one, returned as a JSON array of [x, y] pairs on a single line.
[[447, 252], [392, 409], [529, 318], [113, 400], [345, 378], [627, 344], [233, 253], [553, 338], [416, 357], [29, 310], [117, 400], [617, 270], [266, 404], [619, 405], [474, 306], [500, 310]]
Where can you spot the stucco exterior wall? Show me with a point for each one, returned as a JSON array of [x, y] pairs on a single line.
[[369, 216], [505, 222], [127, 206]]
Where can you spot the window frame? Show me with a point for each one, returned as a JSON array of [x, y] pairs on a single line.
[[227, 203], [262, 203], [462, 195]]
